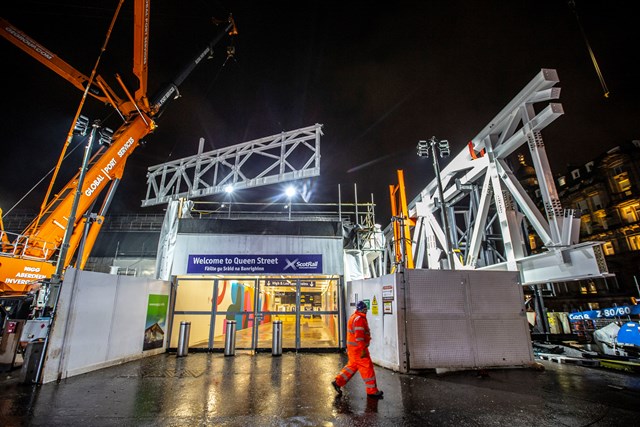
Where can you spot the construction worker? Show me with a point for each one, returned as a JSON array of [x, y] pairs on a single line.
[[358, 338]]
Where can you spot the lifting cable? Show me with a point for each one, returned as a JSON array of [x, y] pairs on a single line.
[[42, 179], [78, 111], [231, 53], [67, 154], [572, 5]]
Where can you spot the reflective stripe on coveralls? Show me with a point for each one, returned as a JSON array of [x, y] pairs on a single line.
[[358, 338]]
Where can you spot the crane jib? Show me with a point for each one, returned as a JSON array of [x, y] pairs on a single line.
[[172, 88]]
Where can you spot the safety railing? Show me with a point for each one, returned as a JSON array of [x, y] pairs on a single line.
[[21, 246]]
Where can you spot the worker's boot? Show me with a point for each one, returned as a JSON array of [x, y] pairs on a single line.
[[336, 387], [377, 395]]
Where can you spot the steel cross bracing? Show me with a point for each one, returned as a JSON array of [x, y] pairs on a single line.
[[283, 157], [489, 208]]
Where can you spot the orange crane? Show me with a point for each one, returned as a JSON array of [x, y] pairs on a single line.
[[402, 223], [33, 255]]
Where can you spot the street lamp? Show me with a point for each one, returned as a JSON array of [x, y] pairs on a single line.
[[290, 192], [229, 190], [430, 147]]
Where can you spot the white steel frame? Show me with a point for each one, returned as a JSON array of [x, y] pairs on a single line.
[[489, 208], [283, 157]]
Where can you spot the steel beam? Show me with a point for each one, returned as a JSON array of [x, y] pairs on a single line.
[[283, 157]]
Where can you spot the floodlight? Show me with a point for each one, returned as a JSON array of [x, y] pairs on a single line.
[[423, 148], [443, 146], [105, 136], [81, 126]]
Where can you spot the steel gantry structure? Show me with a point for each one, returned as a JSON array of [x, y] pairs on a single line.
[[284, 157], [273, 159], [489, 210]]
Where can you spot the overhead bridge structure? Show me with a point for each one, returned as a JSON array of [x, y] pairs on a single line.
[[489, 212], [273, 159]]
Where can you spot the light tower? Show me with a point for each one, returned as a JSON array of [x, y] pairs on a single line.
[[434, 146]]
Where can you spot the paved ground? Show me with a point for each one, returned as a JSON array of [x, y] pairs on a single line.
[[294, 390]]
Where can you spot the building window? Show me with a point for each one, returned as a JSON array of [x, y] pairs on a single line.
[[582, 205], [592, 288], [607, 247], [589, 166], [631, 213], [562, 181], [532, 241], [601, 217], [575, 174], [634, 242], [585, 225], [622, 182]]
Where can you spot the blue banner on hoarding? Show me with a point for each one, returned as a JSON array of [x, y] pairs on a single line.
[[622, 311], [254, 264]]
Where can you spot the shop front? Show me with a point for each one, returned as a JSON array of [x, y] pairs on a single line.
[[308, 306], [254, 273]]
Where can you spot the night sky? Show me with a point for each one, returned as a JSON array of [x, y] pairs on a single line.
[[378, 76]]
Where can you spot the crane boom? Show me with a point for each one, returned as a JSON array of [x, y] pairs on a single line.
[[99, 89], [30, 256], [141, 49]]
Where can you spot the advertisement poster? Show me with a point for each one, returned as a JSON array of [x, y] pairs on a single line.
[[154, 328]]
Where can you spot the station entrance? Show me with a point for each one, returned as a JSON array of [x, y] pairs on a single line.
[[307, 306]]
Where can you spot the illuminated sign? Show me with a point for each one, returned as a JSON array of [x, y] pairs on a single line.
[[255, 264]]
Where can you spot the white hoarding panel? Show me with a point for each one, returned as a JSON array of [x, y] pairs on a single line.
[[454, 319], [101, 320], [384, 327]]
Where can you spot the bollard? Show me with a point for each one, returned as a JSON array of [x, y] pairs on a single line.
[[276, 346], [230, 339], [183, 339]]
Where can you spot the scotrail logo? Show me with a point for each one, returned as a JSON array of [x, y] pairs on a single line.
[[296, 265], [290, 264]]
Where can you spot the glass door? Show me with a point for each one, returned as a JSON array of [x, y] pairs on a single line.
[[307, 307], [319, 325], [278, 301], [193, 303], [235, 300]]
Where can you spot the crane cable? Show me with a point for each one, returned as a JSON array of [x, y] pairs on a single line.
[[77, 115], [15, 205], [572, 5]]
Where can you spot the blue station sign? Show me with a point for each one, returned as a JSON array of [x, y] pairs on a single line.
[[255, 264]]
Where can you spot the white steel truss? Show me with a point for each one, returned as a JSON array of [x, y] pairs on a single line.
[[490, 210], [283, 157]]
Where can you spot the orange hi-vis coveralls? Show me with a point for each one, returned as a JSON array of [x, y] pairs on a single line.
[[358, 338]]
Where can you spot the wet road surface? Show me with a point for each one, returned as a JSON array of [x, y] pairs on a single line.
[[208, 389]]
